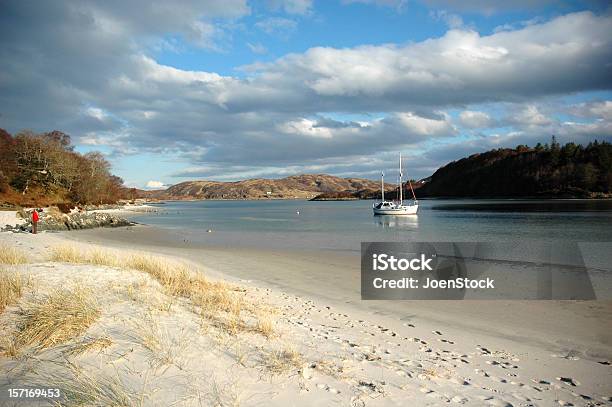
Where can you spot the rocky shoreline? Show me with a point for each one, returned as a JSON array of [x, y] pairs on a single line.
[[72, 221]]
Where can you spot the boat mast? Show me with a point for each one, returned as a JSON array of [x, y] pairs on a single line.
[[382, 185], [400, 178]]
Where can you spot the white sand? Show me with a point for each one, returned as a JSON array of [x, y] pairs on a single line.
[[353, 356], [9, 218]]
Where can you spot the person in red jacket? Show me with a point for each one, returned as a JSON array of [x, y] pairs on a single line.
[[35, 219]]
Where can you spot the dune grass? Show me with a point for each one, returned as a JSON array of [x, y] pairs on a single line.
[[222, 394], [216, 301], [265, 325], [11, 288], [283, 360], [163, 345], [12, 255], [89, 344], [54, 318], [81, 388]]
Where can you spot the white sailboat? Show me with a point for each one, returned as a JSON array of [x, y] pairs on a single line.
[[396, 207]]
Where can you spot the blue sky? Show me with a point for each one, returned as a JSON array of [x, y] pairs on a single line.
[[338, 25], [233, 89]]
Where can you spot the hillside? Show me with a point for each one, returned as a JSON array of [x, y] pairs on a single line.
[[299, 186], [44, 169], [571, 170]]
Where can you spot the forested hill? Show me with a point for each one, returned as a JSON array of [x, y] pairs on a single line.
[[43, 169], [551, 170]]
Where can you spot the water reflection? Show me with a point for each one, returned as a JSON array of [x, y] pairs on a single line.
[[390, 221]]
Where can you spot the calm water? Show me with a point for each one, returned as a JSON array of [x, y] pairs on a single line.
[[344, 225]]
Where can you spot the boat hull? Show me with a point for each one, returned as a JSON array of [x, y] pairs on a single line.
[[397, 211]]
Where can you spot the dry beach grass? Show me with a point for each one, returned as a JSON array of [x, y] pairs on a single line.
[[216, 301], [66, 321], [11, 288], [54, 318], [12, 255]]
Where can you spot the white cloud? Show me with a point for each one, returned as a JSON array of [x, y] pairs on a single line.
[[475, 119], [488, 7], [460, 67], [452, 20], [96, 113], [292, 6], [597, 109], [257, 48], [426, 126], [529, 115], [155, 185], [397, 4], [277, 25]]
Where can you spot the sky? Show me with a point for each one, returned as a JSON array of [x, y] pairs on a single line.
[[226, 90]]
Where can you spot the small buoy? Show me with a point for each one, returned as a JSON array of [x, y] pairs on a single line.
[[209, 230]]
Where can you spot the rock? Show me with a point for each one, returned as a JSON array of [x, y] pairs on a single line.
[[81, 221]]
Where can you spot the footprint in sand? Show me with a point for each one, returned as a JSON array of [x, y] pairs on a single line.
[[498, 402], [459, 399], [411, 363], [483, 350], [459, 381], [430, 393], [568, 356], [520, 397], [481, 373], [569, 381], [503, 365], [323, 386]]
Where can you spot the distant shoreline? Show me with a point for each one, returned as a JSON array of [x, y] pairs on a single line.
[[531, 198]]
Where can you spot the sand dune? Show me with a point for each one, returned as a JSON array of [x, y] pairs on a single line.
[[152, 339]]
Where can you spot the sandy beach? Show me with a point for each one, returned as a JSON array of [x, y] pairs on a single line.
[[321, 344]]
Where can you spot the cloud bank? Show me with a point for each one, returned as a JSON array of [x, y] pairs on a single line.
[[86, 68]]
